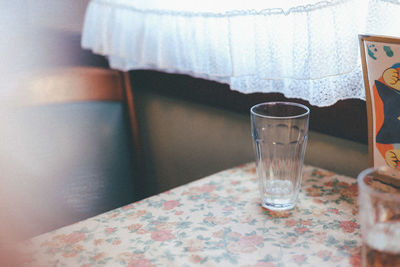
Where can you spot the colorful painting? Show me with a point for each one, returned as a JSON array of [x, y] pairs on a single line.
[[381, 67]]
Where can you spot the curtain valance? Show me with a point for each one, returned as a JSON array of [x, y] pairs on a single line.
[[308, 51]]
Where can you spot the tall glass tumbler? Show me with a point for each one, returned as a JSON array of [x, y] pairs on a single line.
[[379, 211], [280, 132]]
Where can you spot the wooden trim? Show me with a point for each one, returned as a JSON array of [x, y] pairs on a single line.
[[362, 39], [73, 85], [130, 103], [379, 38]]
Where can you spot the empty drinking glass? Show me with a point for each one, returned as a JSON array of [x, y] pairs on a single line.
[[279, 131]]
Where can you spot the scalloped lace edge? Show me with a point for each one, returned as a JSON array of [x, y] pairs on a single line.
[[231, 13]]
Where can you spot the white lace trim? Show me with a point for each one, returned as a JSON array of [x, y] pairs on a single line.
[[309, 52], [228, 13]]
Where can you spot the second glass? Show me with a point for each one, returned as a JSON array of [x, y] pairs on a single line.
[[379, 210], [279, 131]]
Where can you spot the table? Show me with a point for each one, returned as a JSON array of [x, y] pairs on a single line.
[[216, 221]]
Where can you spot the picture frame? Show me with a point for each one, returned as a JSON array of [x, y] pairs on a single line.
[[380, 56]]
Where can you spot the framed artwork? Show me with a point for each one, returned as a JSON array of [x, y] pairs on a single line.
[[381, 70]]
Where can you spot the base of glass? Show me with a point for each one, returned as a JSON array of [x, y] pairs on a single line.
[[277, 207]]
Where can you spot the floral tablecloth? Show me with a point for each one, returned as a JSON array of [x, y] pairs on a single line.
[[216, 221]]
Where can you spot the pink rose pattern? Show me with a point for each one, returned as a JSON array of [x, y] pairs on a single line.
[[216, 221], [170, 204]]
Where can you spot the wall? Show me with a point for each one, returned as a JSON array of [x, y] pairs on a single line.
[[184, 140]]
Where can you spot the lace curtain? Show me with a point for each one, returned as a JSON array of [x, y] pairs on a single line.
[[303, 49]]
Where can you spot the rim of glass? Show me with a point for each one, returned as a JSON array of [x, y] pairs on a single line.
[[306, 109], [364, 187]]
